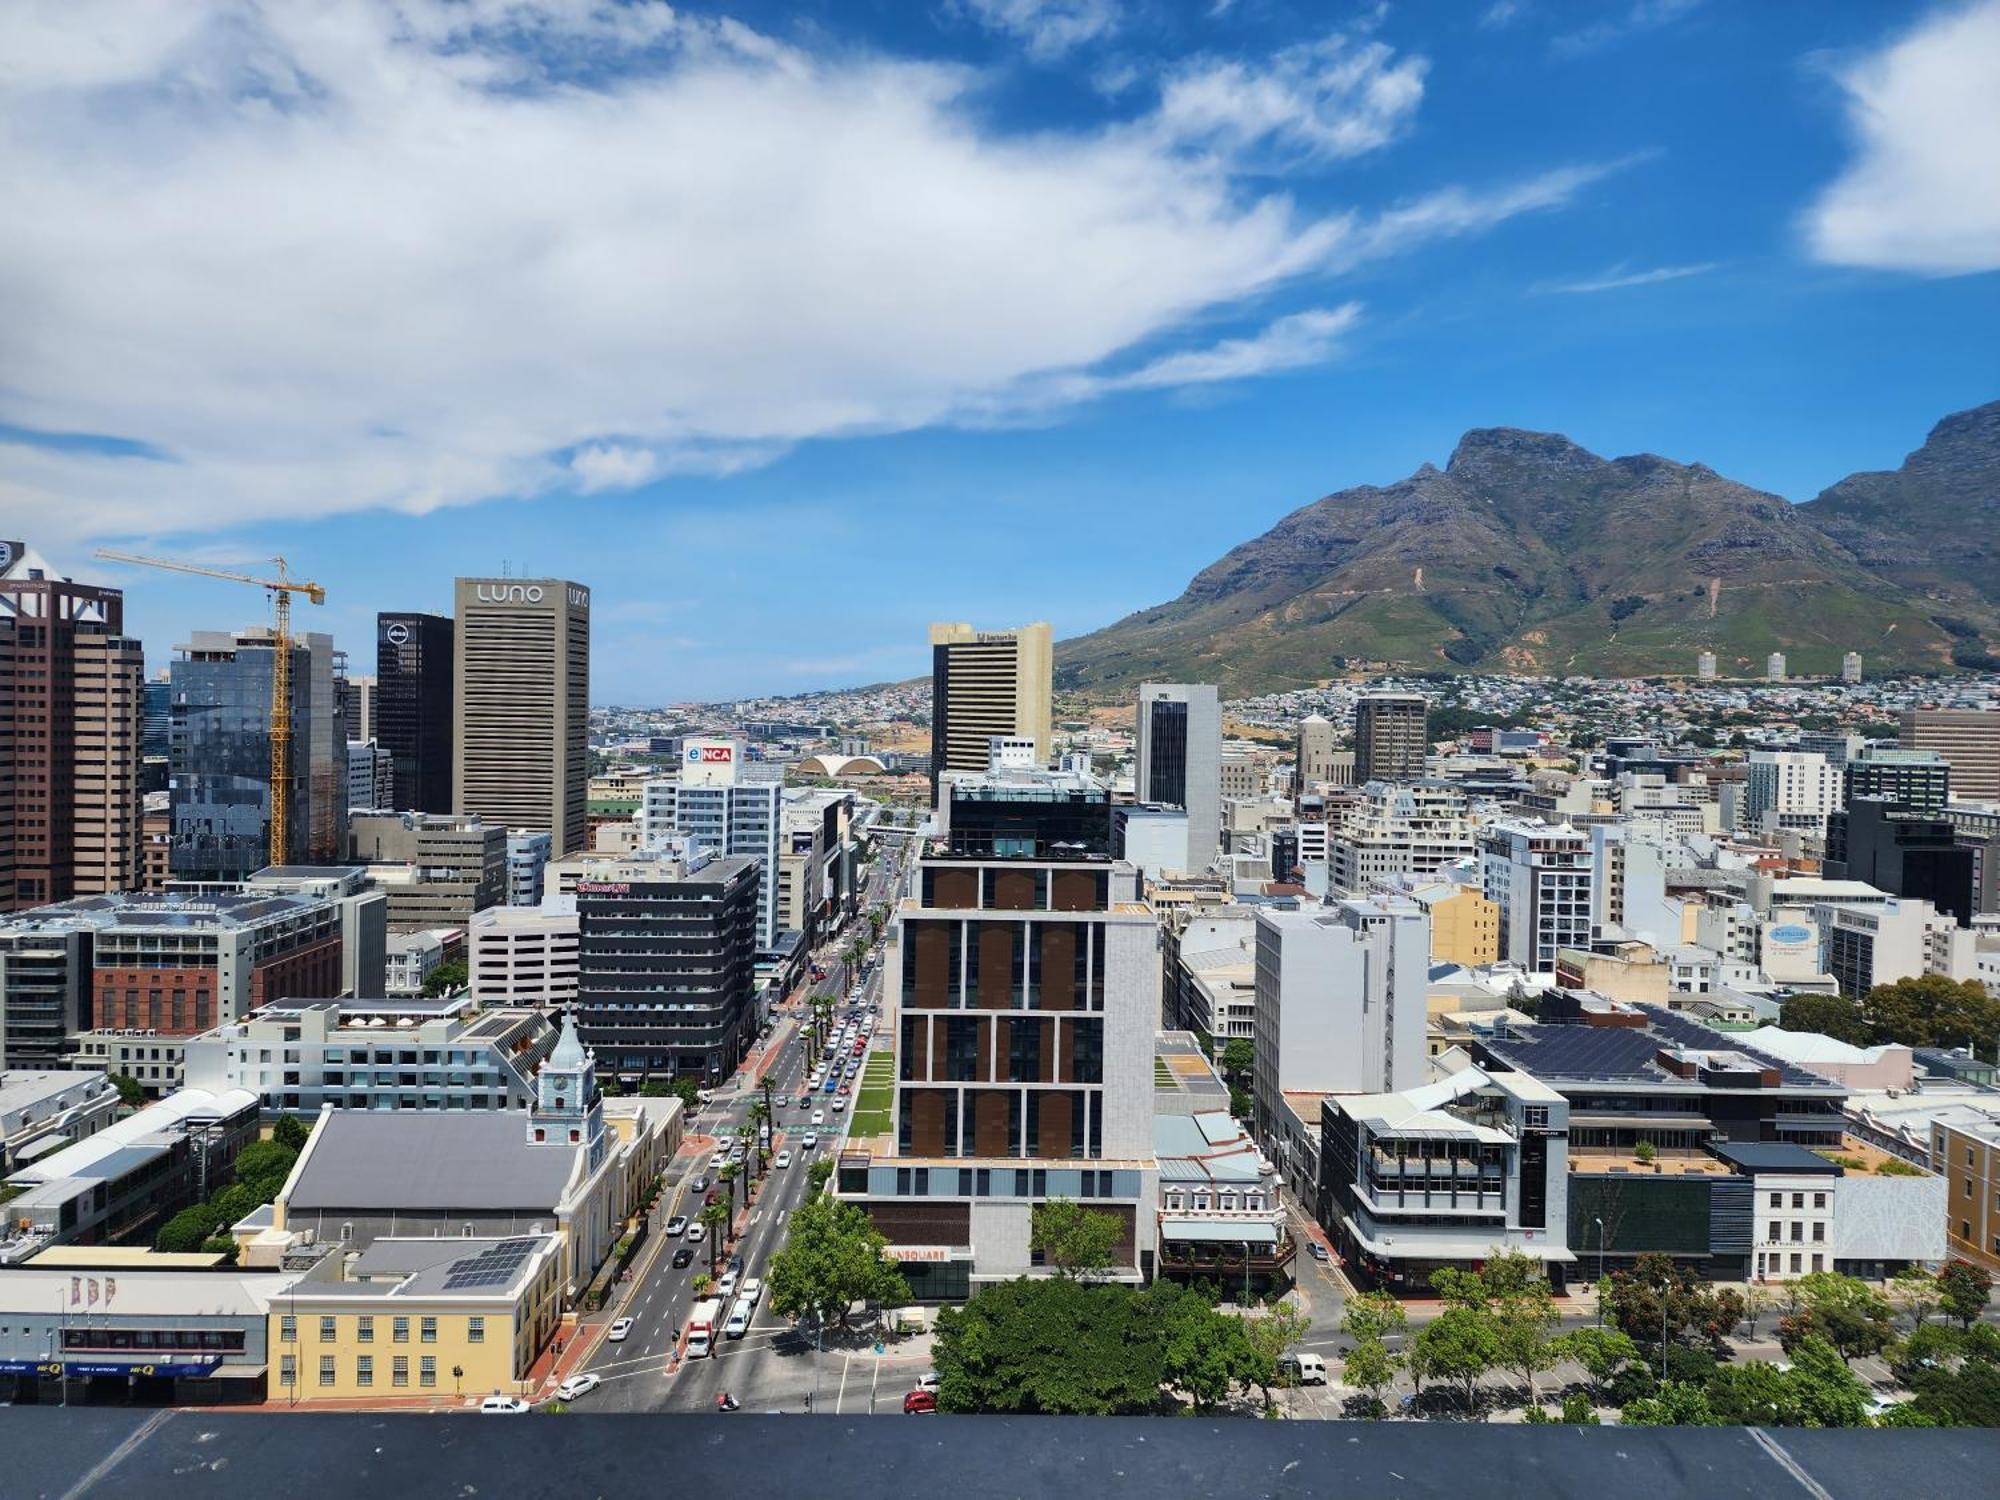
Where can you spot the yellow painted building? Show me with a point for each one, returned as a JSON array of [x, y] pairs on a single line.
[[433, 1316], [1465, 926]]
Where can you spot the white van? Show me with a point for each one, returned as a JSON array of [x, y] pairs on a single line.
[[752, 1290], [739, 1320], [1305, 1368]]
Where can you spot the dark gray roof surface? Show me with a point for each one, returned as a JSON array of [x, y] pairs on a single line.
[[193, 1454], [480, 1160], [1775, 1156]]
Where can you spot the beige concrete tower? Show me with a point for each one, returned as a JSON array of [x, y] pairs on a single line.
[[987, 683], [521, 701]]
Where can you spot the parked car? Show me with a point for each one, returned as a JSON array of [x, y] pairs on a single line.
[[1317, 1251], [620, 1331], [577, 1385], [677, 1226], [920, 1403], [683, 1257], [507, 1406], [928, 1381], [726, 1287]]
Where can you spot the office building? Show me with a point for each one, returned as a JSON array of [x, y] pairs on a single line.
[[1021, 813], [1211, 977], [371, 777], [1390, 737], [157, 717], [521, 705], [1787, 789], [520, 955], [1445, 1175], [1024, 994], [986, 685], [666, 963], [220, 791], [415, 693], [816, 862], [414, 954], [1850, 667], [1704, 666], [43, 1110], [1905, 851], [360, 701], [1919, 780], [1774, 667], [721, 803], [1881, 942], [360, 906], [1968, 738], [395, 1055], [528, 855], [1978, 828], [1313, 750], [437, 868], [72, 702], [1153, 840], [45, 988], [1180, 760], [1465, 926], [1540, 877], [1965, 1150], [1417, 828]]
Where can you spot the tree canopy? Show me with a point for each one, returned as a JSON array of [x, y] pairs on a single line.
[[833, 1259], [1074, 1240], [1926, 1010], [1052, 1345]]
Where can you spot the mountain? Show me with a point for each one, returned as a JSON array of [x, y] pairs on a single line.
[[1527, 553]]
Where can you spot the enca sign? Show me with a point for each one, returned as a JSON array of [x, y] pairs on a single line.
[[711, 755]]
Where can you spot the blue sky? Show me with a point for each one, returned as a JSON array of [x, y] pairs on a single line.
[[789, 328]]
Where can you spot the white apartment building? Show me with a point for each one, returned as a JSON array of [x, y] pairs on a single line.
[[1864, 946], [1410, 828], [1540, 878], [520, 955], [1789, 789], [720, 803], [528, 854]]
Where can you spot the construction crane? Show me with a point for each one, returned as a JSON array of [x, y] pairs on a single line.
[[281, 590]]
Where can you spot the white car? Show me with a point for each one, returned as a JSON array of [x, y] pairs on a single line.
[[782, 1159], [715, 1162], [620, 1331], [839, 1103], [697, 1233], [726, 1287], [811, 1140], [819, 1117], [577, 1385], [504, 1406]]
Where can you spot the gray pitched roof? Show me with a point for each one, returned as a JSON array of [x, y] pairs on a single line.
[[479, 1161]]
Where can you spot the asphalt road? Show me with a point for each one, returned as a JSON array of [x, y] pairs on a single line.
[[770, 1368]]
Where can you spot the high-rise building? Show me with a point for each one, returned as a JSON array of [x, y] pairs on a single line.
[[1314, 753], [1774, 666], [1916, 779], [528, 855], [453, 865], [361, 706], [666, 965], [1540, 877], [1905, 851], [156, 723], [1789, 789], [1968, 738], [220, 789], [414, 655], [1390, 740], [1180, 760], [521, 685], [1704, 666], [1850, 667], [75, 723], [718, 805], [371, 777], [986, 685]]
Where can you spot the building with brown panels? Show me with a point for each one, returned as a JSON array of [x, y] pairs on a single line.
[[1390, 737], [76, 685], [1965, 1151], [1968, 738], [1022, 996]]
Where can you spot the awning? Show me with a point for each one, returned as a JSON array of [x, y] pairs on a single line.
[[1456, 1247], [1219, 1232]]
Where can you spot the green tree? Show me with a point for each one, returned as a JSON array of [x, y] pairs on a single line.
[[818, 1173], [1824, 1392], [833, 1259], [1601, 1351], [1645, 1153], [656, 1088], [1373, 1315], [130, 1092], [1524, 1316], [714, 1217], [1205, 1352], [1834, 1015], [1239, 1056], [1963, 1290], [1274, 1333], [186, 1230], [1051, 1345], [1371, 1366], [1073, 1240], [760, 1115], [1845, 1311], [728, 1176], [1675, 1405], [1577, 1411], [1456, 1346], [263, 1166], [453, 974], [1660, 1295], [1929, 1010], [290, 1132]]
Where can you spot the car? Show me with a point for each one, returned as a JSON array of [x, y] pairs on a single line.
[[727, 1286], [842, 1092], [782, 1159], [717, 1162], [699, 1185], [677, 1226], [683, 1257], [920, 1403], [505, 1406], [734, 1263], [620, 1331], [578, 1385], [1317, 1251], [928, 1381], [805, 1101], [784, 1101], [696, 1233], [819, 1118], [811, 1140], [840, 1103], [1302, 1366]]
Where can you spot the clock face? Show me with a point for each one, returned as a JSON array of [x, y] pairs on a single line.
[[6, 556], [398, 634]]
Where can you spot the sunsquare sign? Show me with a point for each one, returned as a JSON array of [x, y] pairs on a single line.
[[710, 762]]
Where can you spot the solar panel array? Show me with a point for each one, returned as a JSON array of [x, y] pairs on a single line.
[[1607, 1053], [497, 1265]]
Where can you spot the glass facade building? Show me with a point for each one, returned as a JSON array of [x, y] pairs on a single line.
[[414, 660]]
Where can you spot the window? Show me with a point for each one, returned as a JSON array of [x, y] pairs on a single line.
[[326, 1331], [1796, 1259], [1819, 1200], [1777, 1200], [399, 1330], [475, 1330], [1819, 1262], [427, 1372], [1798, 1231], [364, 1370], [1798, 1200], [288, 1370], [288, 1329], [1819, 1235], [326, 1376], [399, 1370], [1777, 1231], [430, 1331], [364, 1330]]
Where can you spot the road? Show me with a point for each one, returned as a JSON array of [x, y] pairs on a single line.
[[645, 1372]]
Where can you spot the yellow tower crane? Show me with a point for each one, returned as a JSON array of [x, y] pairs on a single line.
[[281, 590]]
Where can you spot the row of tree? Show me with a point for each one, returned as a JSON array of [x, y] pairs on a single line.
[[1928, 1010], [260, 1172]]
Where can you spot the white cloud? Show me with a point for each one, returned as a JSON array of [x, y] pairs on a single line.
[[1923, 191], [1640, 16], [1501, 13], [1049, 29], [1618, 278], [406, 253], [1326, 99]]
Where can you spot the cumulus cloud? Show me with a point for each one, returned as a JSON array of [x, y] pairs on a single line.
[[1618, 278], [1923, 190], [309, 258], [1049, 29]]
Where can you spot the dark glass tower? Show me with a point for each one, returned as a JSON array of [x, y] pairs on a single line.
[[414, 661]]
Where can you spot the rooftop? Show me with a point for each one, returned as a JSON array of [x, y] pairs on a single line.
[[479, 1161], [1630, 1054]]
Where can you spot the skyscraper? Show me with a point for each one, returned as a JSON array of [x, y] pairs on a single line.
[[1968, 738], [1704, 666], [521, 704], [1390, 742], [1180, 759], [1314, 752], [718, 807], [413, 707], [219, 794], [987, 683], [75, 723], [1774, 667], [1850, 667]]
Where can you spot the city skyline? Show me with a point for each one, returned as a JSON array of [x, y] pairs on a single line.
[[1358, 233]]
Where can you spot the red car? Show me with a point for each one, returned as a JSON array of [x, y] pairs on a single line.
[[920, 1403], [842, 1091]]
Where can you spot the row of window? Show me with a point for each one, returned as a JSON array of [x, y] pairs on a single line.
[[364, 1330], [364, 1370], [1177, 1202], [1797, 1231]]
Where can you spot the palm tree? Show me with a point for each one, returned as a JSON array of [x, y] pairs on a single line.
[[760, 1115], [716, 1219]]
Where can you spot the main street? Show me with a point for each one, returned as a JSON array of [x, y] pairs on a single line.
[[646, 1370]]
